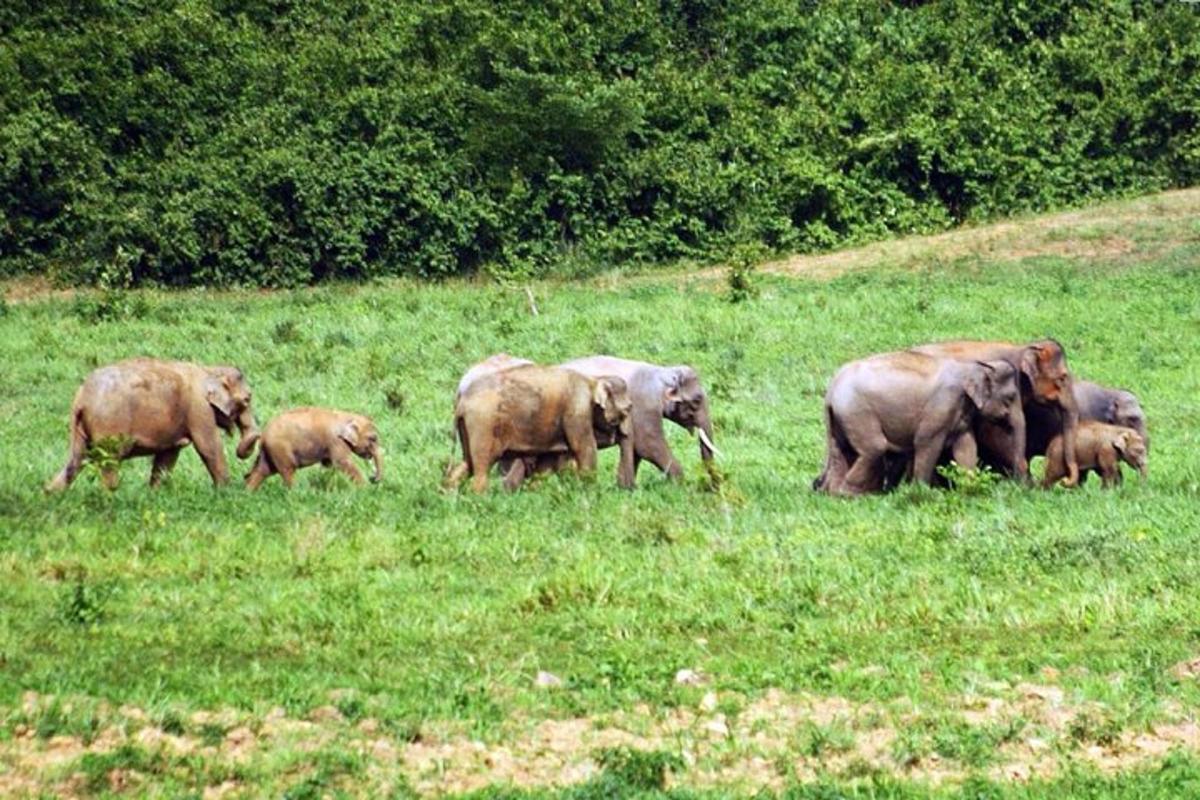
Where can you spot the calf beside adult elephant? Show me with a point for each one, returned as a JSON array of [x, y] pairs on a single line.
[[915, 406], [149, 407], [1047, 395]]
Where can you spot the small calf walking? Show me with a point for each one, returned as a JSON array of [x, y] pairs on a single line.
[[305, 436], [1099, 447]]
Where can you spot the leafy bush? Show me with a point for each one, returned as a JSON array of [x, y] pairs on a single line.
[[261, 143]]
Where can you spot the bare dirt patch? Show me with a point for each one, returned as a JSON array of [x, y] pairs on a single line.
[[725, 741]]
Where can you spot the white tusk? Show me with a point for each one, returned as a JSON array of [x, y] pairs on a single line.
[[708, 442]]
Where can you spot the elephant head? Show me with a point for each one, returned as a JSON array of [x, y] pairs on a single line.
[[992, 387], [613, 410], [686, 404], [1125, 410], [1044, 367], [362, 438], [1131, 447], [227, 392]]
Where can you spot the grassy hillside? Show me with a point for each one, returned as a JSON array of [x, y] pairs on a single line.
[[902, 640]]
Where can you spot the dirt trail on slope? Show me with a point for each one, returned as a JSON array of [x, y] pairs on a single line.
[[1129, 230]]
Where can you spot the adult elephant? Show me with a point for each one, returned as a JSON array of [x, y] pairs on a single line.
[[148, 407], [657, 392], [540, 412], [1047, 394], [1095, 402], [911, 405]]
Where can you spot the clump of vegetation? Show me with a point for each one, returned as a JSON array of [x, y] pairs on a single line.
[[205, 147]]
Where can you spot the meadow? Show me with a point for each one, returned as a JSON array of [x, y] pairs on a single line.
[[387, 640]]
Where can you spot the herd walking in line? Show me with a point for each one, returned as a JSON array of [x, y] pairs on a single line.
[[889, 418]]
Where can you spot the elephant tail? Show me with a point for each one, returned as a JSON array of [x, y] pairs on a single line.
[[77, 452], [835, 452], [464, 440]]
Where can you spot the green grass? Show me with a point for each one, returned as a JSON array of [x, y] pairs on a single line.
[[432, 606]]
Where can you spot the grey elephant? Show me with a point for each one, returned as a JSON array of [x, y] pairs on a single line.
[[148, 407], [540, 412], [658, 393], [1096, 403], [915, 405], [1047, 395]]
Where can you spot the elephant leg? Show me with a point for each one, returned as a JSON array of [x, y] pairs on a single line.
[[515, 475], [208, 447], [345, 465], [582, 442], [965, 452], [1109, 469], [262, 470], [1055, 469], [656, 450], [483, 455], [111, 478], [866, 474], [927, 451], [456, 474], [164, 462]]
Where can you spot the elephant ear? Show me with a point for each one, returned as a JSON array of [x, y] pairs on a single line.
[[216, 392], [1121, 443], [349, 432], [978, 384], [600, 393]]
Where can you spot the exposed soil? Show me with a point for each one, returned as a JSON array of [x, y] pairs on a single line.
[[766, 742]]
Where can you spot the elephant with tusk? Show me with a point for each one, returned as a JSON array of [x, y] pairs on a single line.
[[658, 393], [149, 407]]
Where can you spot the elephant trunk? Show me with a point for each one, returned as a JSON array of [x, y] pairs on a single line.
[[377, 460], [704, 429], [249, 433]]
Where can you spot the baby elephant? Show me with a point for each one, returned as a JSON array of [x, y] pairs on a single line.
[[305, 436], [1098, 446]]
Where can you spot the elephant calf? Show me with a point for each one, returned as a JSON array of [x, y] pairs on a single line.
[[148, 407], [1099, 447], [535, 411], [305, 436]]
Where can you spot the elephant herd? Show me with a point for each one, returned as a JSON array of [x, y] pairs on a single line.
[[888, 418]]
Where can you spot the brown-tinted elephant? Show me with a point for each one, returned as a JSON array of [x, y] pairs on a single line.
[[1100, 447], [1095, 402], [1047, 394], [305, 436], [148, 407], [913, 405], [536, 411], [658, 393]]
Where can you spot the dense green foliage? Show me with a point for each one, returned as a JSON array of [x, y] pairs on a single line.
[[431, 606], [279, 143]]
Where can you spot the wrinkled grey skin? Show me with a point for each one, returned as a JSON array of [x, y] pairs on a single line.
[[913, 405], [658, 393], [1047, 394], [1099, 403], [156, 408]]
